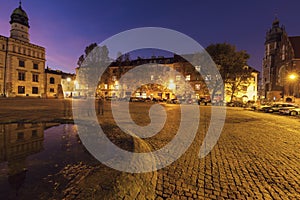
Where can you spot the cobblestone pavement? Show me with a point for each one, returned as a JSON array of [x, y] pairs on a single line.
[[256, 157]]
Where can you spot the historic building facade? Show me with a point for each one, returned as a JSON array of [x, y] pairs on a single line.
[[22, 63], [281, 65], [169, 85]]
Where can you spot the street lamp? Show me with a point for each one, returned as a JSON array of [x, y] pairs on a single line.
[[171, 85], [292, 77]]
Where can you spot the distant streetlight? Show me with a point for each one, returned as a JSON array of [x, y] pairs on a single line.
[[292, 76], [171, 85]]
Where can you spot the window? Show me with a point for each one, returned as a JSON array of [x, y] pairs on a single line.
[[268, 49], [114, 78], [198, 68], [283, 52], [21, 89], [177, 78], [21, 63], [152, 77], [35, 90], [3, 47], [208, 77], [20, 136], [52, 80], [188, 77], [197, 86], [51, 89], [35, 78], [21, 76], [34, 133], [35, 66]]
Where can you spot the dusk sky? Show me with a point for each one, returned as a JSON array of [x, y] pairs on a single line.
[[66, 27]]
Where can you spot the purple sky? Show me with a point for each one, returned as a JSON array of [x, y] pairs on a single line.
[[66, 27]]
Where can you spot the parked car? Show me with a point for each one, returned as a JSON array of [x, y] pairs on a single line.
[[290, 111], [134, 99], [174, 101], [277, 106], [111, 98], [235, 104]]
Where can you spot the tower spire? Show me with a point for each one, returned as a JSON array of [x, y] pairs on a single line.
[[20, 3]]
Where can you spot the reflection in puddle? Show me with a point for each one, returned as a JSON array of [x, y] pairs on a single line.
[[30, 152]]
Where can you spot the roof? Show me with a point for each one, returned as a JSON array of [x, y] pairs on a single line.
[[58, 72], [19, 16], [295, 41]]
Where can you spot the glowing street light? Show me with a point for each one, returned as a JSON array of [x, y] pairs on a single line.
[[171, 85], [292, 76]]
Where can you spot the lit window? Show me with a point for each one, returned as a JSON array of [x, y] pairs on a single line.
[[208, 77], [197, 86], [178, 77], [188, 77], [114, 78], [152, 78]]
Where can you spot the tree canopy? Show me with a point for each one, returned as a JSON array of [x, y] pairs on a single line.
[[232, 65]]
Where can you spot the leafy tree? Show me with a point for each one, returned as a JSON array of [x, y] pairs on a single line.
[[232, 66], [92, 64]]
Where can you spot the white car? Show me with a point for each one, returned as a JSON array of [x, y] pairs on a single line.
[[295, 111], [290, 111]]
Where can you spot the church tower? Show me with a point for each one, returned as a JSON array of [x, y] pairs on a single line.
[[276, 45], [19, 24]]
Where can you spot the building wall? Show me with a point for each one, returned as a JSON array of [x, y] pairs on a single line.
[[52, 83], [33, 57]]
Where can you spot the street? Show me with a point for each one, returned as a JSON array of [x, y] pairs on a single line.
[[256, 157]]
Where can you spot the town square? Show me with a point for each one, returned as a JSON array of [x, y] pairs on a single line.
[[124, 107]]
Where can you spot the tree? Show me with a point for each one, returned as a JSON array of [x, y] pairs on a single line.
[[91, 65], [232, 66]]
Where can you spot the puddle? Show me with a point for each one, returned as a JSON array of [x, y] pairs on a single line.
[[30, 152]]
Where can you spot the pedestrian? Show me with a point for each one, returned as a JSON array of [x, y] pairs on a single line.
[[100, 106]]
